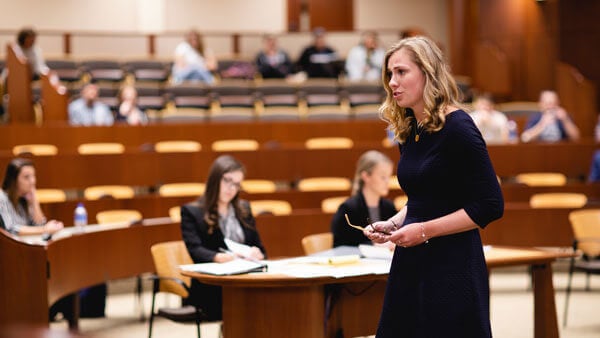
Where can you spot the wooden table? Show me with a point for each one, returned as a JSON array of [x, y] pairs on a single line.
[[276, 305], [35, 275]]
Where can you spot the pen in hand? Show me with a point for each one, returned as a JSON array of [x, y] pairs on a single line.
[[223, 250]]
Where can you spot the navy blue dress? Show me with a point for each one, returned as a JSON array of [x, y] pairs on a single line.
[[441, 288]]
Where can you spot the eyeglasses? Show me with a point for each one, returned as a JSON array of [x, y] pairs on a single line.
[[363, 228], [231, 183]]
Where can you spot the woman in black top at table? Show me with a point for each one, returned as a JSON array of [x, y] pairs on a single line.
[[367, 203], [215, 216]]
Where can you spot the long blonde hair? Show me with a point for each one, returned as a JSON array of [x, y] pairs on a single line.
[[366, 162], [440, 89]]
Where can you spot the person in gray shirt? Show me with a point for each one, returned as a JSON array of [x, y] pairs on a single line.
[[88, 111]]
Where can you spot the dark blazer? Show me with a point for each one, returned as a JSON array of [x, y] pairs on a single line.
[[358, 212], [203, 247]]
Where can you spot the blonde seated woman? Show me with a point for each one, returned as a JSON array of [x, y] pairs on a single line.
[[367, 203]]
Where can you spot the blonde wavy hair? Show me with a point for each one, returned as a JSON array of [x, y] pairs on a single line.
[[440, 89]]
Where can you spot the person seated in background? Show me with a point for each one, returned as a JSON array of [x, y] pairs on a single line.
[[367, 203], [272, 61], [88, 111], [318, 59], [193, 62], [26, 45], [492, 124], [128, 110], [364, 61], [218, 215], [19, 207], [552, 123]]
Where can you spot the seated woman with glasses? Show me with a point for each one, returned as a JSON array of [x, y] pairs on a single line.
[[367, 203], [218, 215]]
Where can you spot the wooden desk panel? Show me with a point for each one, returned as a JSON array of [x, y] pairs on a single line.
[[67, 138], [34, 276]]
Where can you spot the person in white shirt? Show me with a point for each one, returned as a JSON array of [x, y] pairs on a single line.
[[364, 60], [492, 124], [26, 45], [552, 123], [88, 111], [193, 62]]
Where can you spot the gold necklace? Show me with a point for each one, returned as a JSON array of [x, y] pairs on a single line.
[[418, 126]]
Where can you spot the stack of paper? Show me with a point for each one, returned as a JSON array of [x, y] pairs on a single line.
[[234, 267]]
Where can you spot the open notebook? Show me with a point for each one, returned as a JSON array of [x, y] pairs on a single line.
[[234, 267]]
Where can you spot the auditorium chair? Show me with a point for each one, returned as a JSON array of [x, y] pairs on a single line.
[[274, 207], [324, 184], [108, 191], [317, 242], [189, 95], [364, 98], [331, 204], [558, 200], [277, 100], [254, 186], [95, 148], [181, 189], [50, 195], [322, 100], [148, 70], [393, 183], [329, 143], [542, 179], [103, 70], [35, 149], [113, 216], [150, 98], [167, 258], [235, 145], [400, 201], [175, 213], [177, 146], [67, 70], [586, 229]]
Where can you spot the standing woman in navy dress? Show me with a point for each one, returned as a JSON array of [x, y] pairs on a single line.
[[438, 284]]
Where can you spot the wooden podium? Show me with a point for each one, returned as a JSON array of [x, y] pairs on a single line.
[[18, 86]]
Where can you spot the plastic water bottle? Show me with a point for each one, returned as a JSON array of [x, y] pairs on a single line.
[[513, 133], [80, 219]]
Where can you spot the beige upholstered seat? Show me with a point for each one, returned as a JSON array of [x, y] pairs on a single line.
[[235, 145], [175, 213], [167, 257], [35, 149], [259, 186], [317, 242], [182, 189], [113, 191], [331, 204], [537, 179], [400, 201], [100, 148], [177, 146], [275, 207], [329, 143], [324, 184], [558, 200], [118, 216], [51, 195], [585, 224]]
